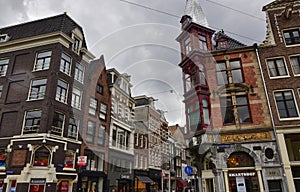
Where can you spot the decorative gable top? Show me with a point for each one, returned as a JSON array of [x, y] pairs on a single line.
[[279, 4], [194, 10], [231, 43]]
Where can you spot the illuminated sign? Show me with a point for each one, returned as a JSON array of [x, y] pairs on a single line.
[[246, 174]]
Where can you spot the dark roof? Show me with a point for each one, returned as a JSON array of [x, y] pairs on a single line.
[[279, 3], [233, 44], [56, 23]]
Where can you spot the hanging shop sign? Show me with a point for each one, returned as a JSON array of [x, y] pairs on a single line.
[[81, 161]]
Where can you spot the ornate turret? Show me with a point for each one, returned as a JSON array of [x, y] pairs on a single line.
[[194, 10]]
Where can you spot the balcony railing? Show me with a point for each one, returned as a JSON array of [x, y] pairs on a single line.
[[31, 129], [56, 130]]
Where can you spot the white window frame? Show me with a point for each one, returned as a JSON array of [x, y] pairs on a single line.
[[63, 64], [55, 129], [61, 97], [1, 90], [285, 65], [39, 57], [79, 72], [295, 101], [76, 98], [289, 29], [3, 66], [36, 127], [71, 133], [290, 56], [40, 94], [93, 106]]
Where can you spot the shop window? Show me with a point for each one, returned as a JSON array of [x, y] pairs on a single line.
[[240, 159], [69, 159], [3, 156], [292, 36], [274, 185], [293, 145], [41, 157], [95, 162], [63, 185], [12, 185]]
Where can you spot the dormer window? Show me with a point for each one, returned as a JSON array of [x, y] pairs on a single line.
[[77, 37], [4, 38], [76, 45], [222, 44]]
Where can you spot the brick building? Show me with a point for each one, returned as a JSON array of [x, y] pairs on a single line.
[[280, 61], [228, 123], [42, 67]]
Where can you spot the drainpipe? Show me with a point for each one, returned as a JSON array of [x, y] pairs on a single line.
[[272, 119]]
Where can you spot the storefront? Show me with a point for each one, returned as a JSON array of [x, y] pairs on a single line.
[[155, 176], [142, 182], [241, 174], [90, 181]]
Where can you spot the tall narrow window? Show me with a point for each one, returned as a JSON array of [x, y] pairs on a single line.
[[295, 62], [65, 64], [101, 135], [76, 98], [188, 45], [62, 91], [37, 89], [103, 111], [32, 121], [3, 67], [221, 70], [76, 45], [1, 90], [205, 112], [194, 117], [93, 106], [202, 42], [227, 110], [90, 132], [243, 109], [79, 72], [292, 36], [286, 105], [73, 128], [236, 71], [202, 75], [58, 123], [277, 67], [42, 60]]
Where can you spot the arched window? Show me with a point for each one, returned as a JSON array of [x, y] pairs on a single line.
[[41, 156], [240, 159]]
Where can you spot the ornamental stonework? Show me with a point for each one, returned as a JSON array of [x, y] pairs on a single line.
[[245, 137]]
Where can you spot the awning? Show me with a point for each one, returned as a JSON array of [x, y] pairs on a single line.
[[144, 179]]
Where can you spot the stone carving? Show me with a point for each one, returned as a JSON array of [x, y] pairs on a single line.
[[245, 137]]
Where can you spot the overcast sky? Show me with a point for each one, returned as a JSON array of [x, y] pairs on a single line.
[[141, 41]]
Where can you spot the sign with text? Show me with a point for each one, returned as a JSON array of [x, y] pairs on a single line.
[[81, 161]]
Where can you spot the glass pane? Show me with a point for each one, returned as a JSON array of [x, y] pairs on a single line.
[[235, 65], [243, 113], [237, 76]]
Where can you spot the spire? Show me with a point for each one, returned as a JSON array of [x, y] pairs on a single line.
[[194, 10]]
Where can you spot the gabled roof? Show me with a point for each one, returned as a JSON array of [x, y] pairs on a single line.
[[194, 10], [233, 44], [279, 3], [47, 25]]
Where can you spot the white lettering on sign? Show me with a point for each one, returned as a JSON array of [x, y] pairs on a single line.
[[247, 174]]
